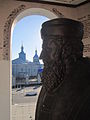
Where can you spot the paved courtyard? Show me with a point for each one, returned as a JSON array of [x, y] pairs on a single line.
[[23, 107]]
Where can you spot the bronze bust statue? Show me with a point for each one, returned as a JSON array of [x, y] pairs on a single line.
[[65, 93]]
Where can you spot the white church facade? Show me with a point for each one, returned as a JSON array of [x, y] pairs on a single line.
[[22, 68]]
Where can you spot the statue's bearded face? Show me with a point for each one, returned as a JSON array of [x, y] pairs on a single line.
[[50, 55], [58, 55]]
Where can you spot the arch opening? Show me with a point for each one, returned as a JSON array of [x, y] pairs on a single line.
[[28, 12]]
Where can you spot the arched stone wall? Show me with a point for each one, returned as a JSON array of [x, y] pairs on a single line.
[[7, 31], [15, 10], [12, 12], [18, 14]]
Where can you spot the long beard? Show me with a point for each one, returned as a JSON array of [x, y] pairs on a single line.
[[53, 76], [55, 72], [57, 69]]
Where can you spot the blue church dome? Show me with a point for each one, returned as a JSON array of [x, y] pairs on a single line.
[[22, 55], [35, 58]]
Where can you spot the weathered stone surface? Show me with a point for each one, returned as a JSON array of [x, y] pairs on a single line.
[[66, 84]]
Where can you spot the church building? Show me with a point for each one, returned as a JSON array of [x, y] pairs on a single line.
[[22, 68]]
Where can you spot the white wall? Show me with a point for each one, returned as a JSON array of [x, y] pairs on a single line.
[[5, 98]]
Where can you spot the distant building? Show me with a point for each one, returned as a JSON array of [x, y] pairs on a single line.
[[22, 68]]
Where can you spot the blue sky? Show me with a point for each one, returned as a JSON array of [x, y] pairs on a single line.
[[27, 32]]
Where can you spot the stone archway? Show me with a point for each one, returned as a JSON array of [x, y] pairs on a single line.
[[28, 12], [13, 18], [15, 15]]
